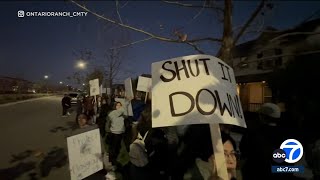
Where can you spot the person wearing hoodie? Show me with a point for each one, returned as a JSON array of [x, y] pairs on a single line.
[[117, 128]]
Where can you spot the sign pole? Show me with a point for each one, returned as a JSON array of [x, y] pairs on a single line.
[[96, 109], [218, 151], [145, 98]]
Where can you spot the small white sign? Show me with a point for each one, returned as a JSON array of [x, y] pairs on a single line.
[[144, 84], [128, 87], [84, 152], [94, 87]]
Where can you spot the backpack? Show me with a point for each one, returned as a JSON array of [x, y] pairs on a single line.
[[138, 153]]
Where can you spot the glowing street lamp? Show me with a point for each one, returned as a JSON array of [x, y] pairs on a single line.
[[61, 82], [46, 77], [81, 64]]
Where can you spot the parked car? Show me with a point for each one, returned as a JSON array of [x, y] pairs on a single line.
[[74, 96]]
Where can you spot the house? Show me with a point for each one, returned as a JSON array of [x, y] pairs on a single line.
[[15, 85], [254, 61]]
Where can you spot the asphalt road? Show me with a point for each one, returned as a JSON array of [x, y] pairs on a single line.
[[33, 140]]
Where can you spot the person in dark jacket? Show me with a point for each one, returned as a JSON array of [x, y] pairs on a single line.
[[66, 104], [258, 144], [101, 120]]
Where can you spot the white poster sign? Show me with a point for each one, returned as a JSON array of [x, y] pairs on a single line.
[[108, 91], [128, 88], [84, 152], [144, 84], [129, 111], [196, 89], [94, 87]]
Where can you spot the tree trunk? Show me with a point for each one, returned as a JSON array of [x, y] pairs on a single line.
[[227, 39]]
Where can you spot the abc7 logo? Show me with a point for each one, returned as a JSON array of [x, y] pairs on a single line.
[[291, 151], [279, 155]]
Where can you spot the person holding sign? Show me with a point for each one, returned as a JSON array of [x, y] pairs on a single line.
[[116, 122], [198, 159]]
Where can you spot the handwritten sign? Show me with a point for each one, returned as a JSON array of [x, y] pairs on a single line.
[[144, 84], [94, 87], [129, 111], [128, 87], [84, 154], [196, 89]]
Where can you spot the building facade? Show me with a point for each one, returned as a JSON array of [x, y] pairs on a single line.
[[256, 60], [15, 85]]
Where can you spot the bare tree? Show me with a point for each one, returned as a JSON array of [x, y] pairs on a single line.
[[228, 39], [115, 66], [112, 65]]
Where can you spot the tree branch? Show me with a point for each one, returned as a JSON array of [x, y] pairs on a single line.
[[117, 6], [294, 34], [205, 39], [151, 35], [131, 27], [196, 47], [132, 43], [204, 4], [249, 21], [192, 5], [126, 26], [124, 4]]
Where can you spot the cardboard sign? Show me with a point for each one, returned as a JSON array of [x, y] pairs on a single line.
[[144, 84], [84, 152], [128, 88], [94, 87], [196, 89], [129, 111]]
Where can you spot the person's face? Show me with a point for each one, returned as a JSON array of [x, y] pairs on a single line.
[[82, 121], [118, 106], [138, 96], [104, 101], [230, 154]]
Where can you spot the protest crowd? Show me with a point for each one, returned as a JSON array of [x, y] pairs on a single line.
[[184, 152]]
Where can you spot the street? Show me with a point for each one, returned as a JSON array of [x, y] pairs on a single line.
[[33, 140]]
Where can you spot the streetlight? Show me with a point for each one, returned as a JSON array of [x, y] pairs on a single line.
[[81, 64], [61, 82], [46, 77]]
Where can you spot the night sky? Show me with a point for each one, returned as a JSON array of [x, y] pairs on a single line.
[[32, 47]]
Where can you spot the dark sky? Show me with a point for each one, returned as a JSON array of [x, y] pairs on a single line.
[[32, 47]]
